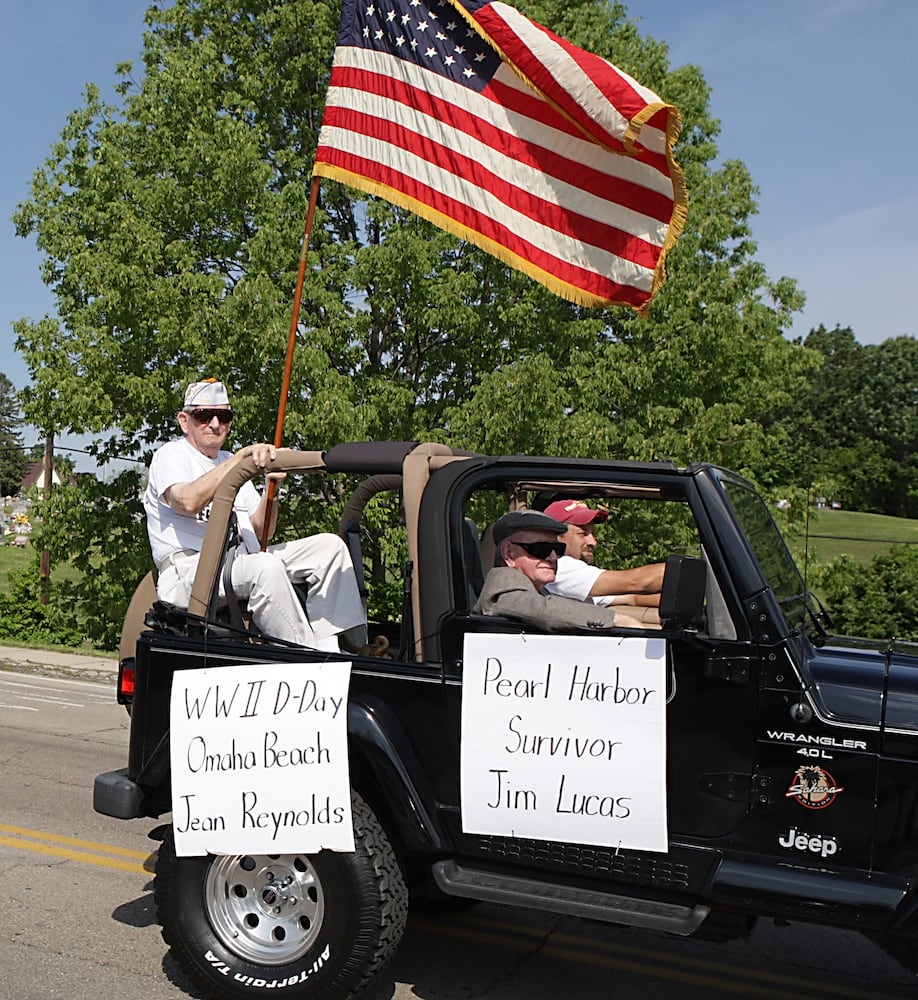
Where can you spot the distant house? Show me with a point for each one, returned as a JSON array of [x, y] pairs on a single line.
[[35, 476]]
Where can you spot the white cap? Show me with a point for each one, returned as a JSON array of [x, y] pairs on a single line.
[[207, 392]]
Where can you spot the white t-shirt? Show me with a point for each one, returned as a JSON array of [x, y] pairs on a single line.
[[169, 531], [575, 579]]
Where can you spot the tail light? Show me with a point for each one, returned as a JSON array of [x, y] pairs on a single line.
[[126, 681]]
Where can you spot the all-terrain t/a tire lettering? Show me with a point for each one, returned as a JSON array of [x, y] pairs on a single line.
[[304, 926]]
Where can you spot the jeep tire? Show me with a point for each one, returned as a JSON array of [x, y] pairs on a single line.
[[300, 926]]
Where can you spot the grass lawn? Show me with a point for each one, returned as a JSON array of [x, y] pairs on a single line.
[[13, 558], [833, 533]]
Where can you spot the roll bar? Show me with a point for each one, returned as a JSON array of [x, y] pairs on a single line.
[[417, 462], [218, 524]]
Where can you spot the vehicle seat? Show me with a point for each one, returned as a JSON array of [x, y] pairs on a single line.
[[640, 613], [487, 547], [142, 602], [144, 598]]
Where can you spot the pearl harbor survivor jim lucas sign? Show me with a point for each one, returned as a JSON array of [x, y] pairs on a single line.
[[564, 738], [259, 759]]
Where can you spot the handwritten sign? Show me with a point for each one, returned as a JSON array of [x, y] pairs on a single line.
[[259, 759], [564, 738]]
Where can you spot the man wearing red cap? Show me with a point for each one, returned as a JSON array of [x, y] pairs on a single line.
[[528, 551], [578, 578]]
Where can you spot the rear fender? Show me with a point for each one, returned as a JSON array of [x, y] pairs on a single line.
[[378, 741]]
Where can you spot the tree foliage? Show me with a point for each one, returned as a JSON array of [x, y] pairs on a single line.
[[24, 618], [879, 602], [855, 425], [97, 527], [12, 456], [170, 224]]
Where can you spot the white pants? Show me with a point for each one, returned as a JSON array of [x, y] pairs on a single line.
[[265, 580]]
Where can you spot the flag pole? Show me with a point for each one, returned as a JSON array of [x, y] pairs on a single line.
[[288, 361]]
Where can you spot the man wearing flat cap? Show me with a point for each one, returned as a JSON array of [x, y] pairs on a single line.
[[184, 477], [580, 580], [528, 548]]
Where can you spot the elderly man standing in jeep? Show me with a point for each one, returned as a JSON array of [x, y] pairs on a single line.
[[576, 576], [184, 477], [528, 549]]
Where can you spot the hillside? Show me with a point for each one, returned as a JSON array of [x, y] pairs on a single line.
[[862, 536]]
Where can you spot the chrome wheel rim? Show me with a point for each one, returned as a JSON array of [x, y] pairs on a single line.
[[266, 908]]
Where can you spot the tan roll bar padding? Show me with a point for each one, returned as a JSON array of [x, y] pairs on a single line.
[[416, 469], [287, 460]]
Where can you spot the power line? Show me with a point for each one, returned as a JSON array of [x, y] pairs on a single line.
[[78, 451]]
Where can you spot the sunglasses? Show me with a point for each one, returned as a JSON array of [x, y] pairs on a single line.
[[204, 416], [542, 550]]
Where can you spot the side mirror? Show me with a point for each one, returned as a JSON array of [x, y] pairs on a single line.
[[682, 597]]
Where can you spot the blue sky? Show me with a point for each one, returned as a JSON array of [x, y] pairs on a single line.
[[816, 97]]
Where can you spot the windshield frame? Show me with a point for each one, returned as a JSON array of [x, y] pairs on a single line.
[[769, 549]]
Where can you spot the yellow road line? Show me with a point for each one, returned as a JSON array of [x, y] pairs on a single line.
[[57, 838], [87, 851], [720, 977]]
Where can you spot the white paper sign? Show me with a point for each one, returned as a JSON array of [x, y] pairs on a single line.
[[259, 759], [564, 738]]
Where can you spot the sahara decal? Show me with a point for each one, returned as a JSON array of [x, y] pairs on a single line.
[[796, 839], [809, 739], [813, 787]]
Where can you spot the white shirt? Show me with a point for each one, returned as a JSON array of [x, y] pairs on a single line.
[[180, 462], [575, 579]]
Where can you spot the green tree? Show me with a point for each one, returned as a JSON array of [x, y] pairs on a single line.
[[170, 225], [886, 413], [856, 422], [12, 455], [878, 603], [826, 407], [98, 528]]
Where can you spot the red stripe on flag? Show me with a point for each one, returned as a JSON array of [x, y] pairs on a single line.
[[596, 285], [530, 53], [563, 220], [535, 109], [615, 190]]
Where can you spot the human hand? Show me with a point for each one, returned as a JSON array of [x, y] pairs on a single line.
[[262, 454]]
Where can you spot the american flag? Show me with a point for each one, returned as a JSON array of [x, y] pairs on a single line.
[[490, 126]]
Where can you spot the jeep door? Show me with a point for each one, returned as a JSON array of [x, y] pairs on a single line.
[[711, 676]]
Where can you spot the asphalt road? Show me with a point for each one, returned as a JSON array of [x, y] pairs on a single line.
[[77, 919]]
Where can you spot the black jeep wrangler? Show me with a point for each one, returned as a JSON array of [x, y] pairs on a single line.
[[790, 755]]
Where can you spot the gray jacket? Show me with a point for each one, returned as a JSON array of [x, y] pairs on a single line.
[[510, 592]]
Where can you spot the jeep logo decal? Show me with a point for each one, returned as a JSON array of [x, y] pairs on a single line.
[[825, 847]]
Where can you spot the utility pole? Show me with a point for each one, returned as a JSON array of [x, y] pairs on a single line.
[[44, 570]]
